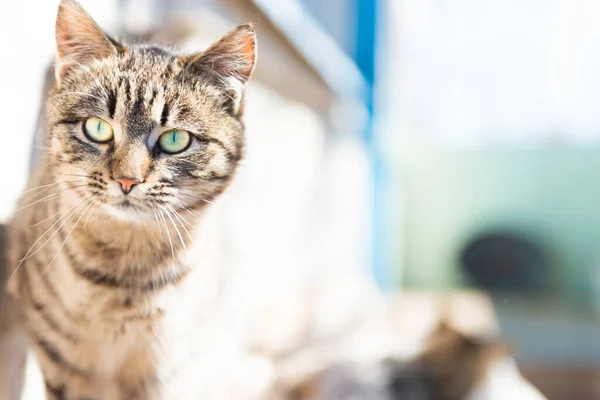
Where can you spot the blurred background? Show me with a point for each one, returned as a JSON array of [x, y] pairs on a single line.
[[407, 145]]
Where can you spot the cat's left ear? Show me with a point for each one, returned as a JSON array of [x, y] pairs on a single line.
[[79, 40], [230, 61]]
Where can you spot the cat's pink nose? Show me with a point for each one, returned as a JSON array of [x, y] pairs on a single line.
[[127, 184]]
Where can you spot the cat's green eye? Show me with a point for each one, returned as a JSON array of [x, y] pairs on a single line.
[[175, 141], [97, 130]]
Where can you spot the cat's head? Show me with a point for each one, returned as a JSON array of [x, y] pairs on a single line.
[[138, 129]]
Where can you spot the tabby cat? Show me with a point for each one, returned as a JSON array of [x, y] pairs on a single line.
[[108, 255], [121, 289]]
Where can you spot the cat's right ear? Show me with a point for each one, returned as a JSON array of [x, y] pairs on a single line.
[[230, 62], [79, 40]]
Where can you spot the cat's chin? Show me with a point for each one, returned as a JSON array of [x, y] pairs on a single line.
[[128, 214]]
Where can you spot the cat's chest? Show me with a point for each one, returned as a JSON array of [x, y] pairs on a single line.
[[169, 327]]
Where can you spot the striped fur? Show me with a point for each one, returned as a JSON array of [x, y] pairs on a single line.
[[97, 272]]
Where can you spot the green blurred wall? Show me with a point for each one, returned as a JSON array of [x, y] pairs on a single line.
[[550, 193]]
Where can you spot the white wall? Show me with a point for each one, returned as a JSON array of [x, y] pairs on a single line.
[[513, 70]]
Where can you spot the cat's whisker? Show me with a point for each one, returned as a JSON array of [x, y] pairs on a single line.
[[95, 208], [47, 185], [191, 211], [70, 212], [33, 196], [195, 213], [89, 204], [50, 196], [180, 217], [159, 224], [27, 255], [196, 197], [168, 234], [78, 175], [53, 215], [175, 227], [181, 221], [35, 199], [157, 220], [39, 190], [183, 206], [46, 219]]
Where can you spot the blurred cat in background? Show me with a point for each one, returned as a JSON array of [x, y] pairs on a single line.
[[451, 366]]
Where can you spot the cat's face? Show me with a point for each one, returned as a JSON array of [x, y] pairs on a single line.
[[141, 131]]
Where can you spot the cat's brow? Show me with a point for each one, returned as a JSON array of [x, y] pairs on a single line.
[[164, 115], [112, 103]]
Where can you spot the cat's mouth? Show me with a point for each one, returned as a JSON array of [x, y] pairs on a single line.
[[128, 210], [127, 205]]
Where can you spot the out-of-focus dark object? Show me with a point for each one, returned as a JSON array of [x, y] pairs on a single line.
[[506, 262]]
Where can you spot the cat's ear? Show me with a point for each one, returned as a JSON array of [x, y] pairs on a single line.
[[230, 60], [79, 40], [233, 56]]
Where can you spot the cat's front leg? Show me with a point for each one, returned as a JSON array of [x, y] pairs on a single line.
[[81, 388], [13, 344], [13, 350]]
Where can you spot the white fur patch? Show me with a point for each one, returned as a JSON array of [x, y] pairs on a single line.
[[504, 382]]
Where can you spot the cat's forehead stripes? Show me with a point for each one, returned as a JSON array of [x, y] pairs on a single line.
[[164, 114], [142, 97], [111, 102]]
